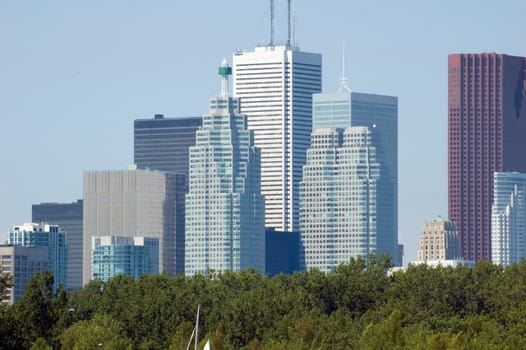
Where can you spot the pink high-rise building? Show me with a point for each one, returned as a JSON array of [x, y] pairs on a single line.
[[487, 133]]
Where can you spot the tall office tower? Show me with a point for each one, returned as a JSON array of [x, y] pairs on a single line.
[[225, 227], [68, 216], [45, 236], [344, 109], [339, 198], [487, 124], [275, 86], [21, 263], [163, 143], [117, 255], [508, 218], [132, 203], [439, 241]]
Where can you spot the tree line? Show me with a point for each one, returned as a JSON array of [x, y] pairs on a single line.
[[357, 306]]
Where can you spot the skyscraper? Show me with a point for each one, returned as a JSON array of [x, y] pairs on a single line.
[[117, 255], [379, 113], [45, 236], [508, 218], [132, 203], [439, 241], [275, 86], [487, 124], [225, 210], [68, 216], [339, 198], [163, 143]]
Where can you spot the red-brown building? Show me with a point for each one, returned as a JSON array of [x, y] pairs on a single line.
[[486, 133]]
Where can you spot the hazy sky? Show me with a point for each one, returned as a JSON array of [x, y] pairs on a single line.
[[75, 74]]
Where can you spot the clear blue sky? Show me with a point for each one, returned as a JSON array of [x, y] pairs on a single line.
[[75, 74]]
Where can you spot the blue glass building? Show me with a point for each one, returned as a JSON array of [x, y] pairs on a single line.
[[44, 236], [21, 262], [225, 211], [379, 113], [163, 143], [339, 199], [68, 216], [118, 255], [508, 218], [282, 252]]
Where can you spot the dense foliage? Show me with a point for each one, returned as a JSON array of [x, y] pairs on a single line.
[[355, 307]]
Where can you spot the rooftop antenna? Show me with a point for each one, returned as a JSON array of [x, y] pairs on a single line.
[[293, 30], [271, 22], [343, 79], [289, 22], [224, 71]]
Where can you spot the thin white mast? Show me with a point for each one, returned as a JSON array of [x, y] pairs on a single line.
[[271, 22], [289, 13], [343, 79], [197, 326]]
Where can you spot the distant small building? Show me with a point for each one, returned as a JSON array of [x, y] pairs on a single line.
[[281, 252], [118, 255], [45, 236], [446, 263], [439, 241], [21, 262]]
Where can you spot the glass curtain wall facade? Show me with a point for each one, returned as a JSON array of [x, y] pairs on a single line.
[[225, 211], [275, 86], [117, 255], [163, 143], [68, 216], [508, 218], [338, 208], [44, 236], [379, 113], [22, 262]]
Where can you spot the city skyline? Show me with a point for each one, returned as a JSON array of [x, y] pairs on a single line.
[[72, 89]]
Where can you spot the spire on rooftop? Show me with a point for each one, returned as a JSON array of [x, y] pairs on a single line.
[[224, 71], [343, 79]]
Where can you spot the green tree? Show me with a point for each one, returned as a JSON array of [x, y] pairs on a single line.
[[41, 344], [36, 309], [182, 336], [385, 335], [102, 332]]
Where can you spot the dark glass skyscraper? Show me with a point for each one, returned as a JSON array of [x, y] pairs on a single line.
[[487, 133], [163, 143], [68, 216]]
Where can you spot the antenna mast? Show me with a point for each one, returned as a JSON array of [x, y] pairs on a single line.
[[271, 22], [343, 79], [293, 30], [289, 15]]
